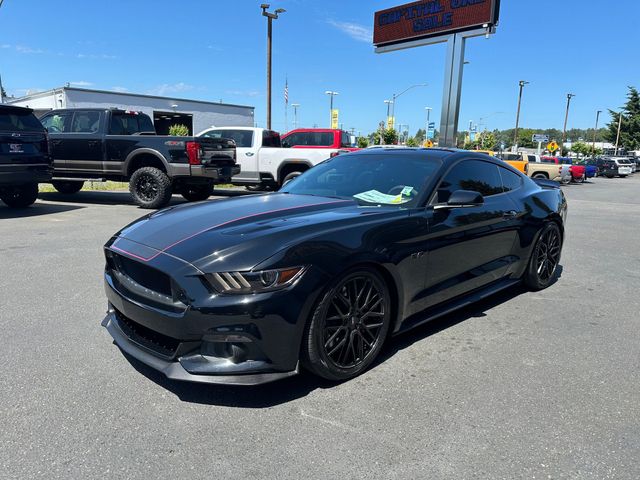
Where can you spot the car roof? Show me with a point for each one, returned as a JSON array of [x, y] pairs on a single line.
[[440, 153]]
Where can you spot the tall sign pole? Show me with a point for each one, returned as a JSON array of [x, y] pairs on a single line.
[[522, 83], [424, 23], [566, 119], [270, 17]]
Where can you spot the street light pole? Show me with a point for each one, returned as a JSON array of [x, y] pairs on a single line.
[[522, 83], [396, 95], [295, 114], [388, 102], [566, 118], [331, 94], [595, 132], [270, 17]]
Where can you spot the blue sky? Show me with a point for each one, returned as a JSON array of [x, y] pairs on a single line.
[[215, 49]]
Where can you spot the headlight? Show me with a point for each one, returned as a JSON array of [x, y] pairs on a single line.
[[254, 282]]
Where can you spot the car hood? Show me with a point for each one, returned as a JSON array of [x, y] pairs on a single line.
[[235, 233]]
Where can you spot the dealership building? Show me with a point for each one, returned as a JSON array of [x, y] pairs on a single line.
[[165, 111]]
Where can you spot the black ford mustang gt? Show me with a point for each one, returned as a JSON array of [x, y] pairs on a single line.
[[319, 274]]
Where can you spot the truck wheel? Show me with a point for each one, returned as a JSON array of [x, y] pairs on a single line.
[[196, 193], [68, 187], [150, 187], [261, 187], [540, 175], [290, 177], [21, 196]]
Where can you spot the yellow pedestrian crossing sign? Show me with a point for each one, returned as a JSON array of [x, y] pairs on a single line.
[[428, 144], [552, 146]]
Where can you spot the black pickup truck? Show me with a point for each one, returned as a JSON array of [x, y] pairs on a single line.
[[121, 145], [24, 156]]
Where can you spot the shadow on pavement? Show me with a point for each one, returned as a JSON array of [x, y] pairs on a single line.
[[36, 210], [98, 197], [292, 388]]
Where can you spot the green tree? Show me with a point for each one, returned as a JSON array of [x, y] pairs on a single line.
[[363, 142], [178, 130], [412, 142], [421, 136], [630, 126]]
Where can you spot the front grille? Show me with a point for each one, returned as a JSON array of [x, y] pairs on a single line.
[[161, 344], [140, 273]]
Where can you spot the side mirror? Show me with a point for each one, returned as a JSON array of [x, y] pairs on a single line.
[[462, 199]]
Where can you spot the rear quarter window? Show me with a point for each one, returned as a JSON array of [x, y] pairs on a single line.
[[510, 181]]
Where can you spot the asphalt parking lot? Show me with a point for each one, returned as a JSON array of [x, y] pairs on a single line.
[[523, 385]]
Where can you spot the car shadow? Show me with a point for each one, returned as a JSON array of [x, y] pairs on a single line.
[[97, 197], [36, 210], [298, 386], [233, 192]]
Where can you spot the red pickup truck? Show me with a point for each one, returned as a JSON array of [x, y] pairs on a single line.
[[318, 138], [578, 172]]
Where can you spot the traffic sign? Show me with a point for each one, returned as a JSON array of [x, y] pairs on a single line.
[[552, 146], [428, 144], [431, 131], [539, 138]]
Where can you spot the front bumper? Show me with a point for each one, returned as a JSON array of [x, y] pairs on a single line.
[[174, 370], [188, 332]]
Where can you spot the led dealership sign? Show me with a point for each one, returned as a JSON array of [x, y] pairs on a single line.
[[424, 19]]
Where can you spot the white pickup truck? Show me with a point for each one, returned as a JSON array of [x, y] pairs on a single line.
[[262, 159]]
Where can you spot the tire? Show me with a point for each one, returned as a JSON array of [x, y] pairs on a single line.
[[261, 187], [540, 175], [545, 258], [608, 175], [150, 187], [20, 196], [197, 193], [67, 187], [622, 176], [348, 327], [290, 176]]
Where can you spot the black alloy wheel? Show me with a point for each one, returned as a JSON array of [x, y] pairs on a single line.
[[150, 187], [196, 193], [545, 258], [68, 187], [349, 326]]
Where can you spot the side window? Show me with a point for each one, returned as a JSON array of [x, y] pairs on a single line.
[[346, 140], [472, 175], [85, 122], [510, 181], [57, 122], [271, 139]]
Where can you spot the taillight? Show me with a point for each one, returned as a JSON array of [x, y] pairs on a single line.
[[526, 167], [193, 153]]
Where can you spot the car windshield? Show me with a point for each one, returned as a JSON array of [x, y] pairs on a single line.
[[389, 179]]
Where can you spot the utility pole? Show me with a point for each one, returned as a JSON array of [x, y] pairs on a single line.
[[388, 102], [619, 128], [270, 17], [566, 118], [522, 83], [595, 132], [295, 114]]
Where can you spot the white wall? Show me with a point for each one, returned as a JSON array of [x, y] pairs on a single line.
[[204, 114]]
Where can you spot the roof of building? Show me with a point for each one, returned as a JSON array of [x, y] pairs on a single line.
[[110, 92]]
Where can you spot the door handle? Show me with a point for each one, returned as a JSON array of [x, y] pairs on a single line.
[[510, 214], [249, 154]]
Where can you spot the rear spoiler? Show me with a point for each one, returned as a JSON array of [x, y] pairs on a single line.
[[544, 183]]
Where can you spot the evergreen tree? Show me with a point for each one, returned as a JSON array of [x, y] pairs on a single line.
[[630, 127]]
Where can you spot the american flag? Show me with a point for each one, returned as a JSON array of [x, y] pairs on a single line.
[[286, 92]]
